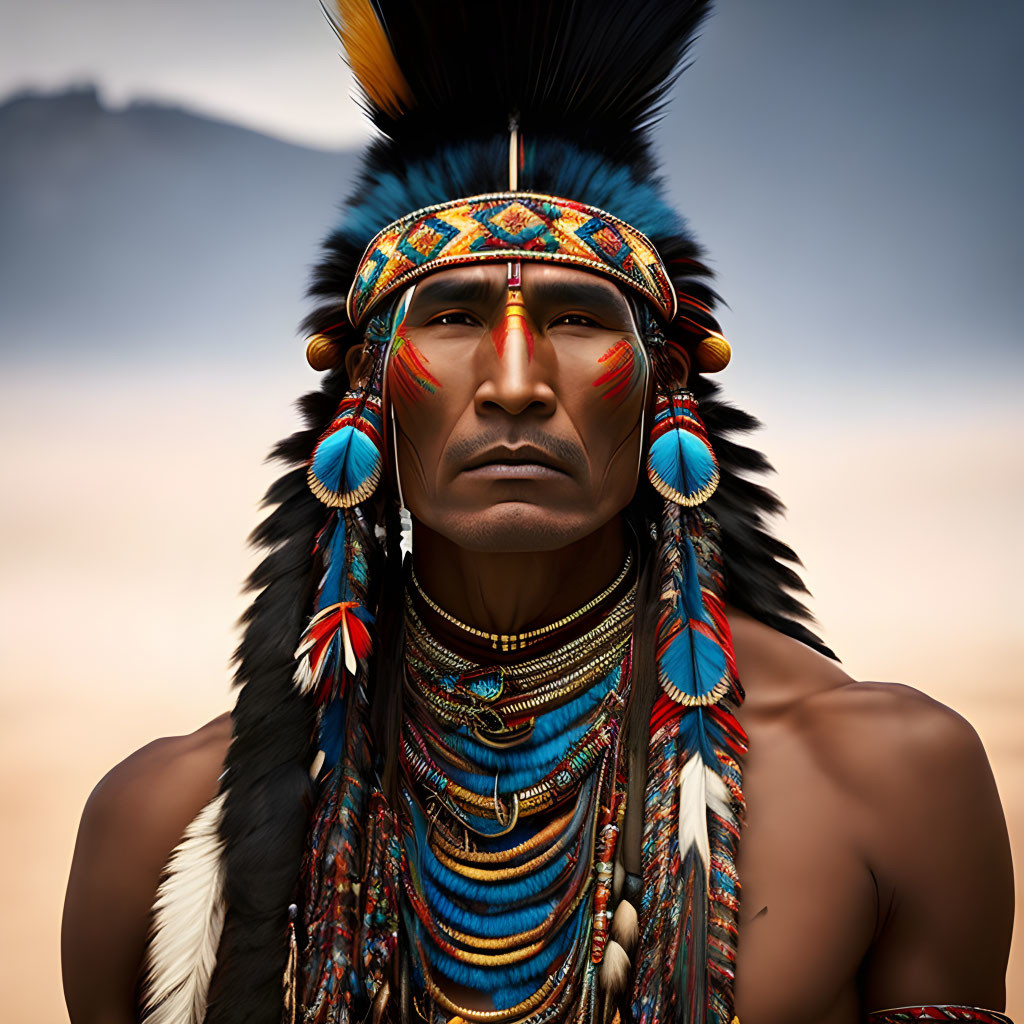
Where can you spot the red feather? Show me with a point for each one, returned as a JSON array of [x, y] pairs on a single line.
[[317, 643]]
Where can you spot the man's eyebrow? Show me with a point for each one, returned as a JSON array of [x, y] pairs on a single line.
[[448, 290], [580, 294]]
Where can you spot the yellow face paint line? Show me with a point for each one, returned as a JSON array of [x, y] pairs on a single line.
[[515, 316]]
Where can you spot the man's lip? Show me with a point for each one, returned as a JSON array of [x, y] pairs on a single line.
[[526, 454]]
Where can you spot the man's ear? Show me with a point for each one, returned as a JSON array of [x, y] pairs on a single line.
[[673, 366], [357, 364]]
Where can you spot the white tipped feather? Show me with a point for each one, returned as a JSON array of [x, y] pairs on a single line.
[[615, 967], [303, 677], [700, 790], [188, 916], [625, 929], [350, 654]]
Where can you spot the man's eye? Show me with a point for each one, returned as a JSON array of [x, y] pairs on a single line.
[[575, 320], [454, 319]]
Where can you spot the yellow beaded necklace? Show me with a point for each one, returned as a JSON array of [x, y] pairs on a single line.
[[518, 641]]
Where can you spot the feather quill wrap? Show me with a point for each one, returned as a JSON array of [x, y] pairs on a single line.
[[332, 664], [188, 916], [680, 462], [694, 780], [692, 660], [346, 464]]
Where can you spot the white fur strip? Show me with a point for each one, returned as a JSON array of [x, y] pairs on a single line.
[[701, 790], [188, 916]]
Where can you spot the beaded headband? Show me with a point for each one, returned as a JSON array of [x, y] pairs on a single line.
[[529, 226], [518, 225], [503, 226]]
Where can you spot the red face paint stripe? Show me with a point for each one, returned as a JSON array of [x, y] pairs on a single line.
[[411, 377], [621, 373]]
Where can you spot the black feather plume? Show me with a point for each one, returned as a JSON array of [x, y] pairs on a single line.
[[592, 73]]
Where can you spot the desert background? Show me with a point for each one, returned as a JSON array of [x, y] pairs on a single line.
[[166, 173]]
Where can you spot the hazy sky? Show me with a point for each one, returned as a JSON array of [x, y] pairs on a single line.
[[275, 64]]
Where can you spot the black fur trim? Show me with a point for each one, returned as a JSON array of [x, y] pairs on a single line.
[[760, 579]]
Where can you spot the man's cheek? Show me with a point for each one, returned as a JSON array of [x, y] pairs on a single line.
[[410, 379]]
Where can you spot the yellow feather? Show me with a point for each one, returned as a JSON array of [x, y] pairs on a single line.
[[370, 56]]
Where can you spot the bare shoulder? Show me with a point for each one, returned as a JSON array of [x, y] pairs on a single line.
[[870, 733], [146, 801], [896, 743], [916, 801], [935, 838], [167, 772], [888, 744], [132, 820]]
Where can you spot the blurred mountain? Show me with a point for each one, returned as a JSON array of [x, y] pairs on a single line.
[[147, 227]]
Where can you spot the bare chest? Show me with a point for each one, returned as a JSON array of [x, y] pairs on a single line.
[[808, 898]]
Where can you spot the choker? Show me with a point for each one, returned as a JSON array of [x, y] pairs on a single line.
[[510, 642]]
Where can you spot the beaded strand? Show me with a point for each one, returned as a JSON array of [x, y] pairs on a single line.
[[511, 791]]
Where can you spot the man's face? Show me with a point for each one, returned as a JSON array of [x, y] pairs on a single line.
[[517, 403]]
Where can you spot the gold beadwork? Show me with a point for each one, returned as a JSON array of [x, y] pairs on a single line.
[[471, 237], [486, 1016], [518, 641]]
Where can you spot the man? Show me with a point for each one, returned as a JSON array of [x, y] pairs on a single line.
[[512, 775]]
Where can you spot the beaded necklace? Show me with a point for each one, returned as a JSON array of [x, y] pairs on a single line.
[[518, 641], [511, 794]]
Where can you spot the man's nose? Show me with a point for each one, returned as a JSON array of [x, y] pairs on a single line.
[[517, 379]]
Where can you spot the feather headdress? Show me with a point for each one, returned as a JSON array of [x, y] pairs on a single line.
[[441, 80], [584, 84]]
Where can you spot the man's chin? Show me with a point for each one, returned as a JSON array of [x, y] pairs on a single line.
[[514, 527]]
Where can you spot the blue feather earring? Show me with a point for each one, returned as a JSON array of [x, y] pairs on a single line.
[[681, 465], [694, 760], [347, 462], [346, 465], [344, 472]]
